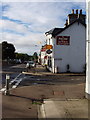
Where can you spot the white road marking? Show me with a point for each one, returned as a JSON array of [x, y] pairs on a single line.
[[3, 89], [17, 80]]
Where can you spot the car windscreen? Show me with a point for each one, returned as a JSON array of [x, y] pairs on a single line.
[[31, 62]]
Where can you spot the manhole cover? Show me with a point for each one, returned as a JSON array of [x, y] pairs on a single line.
[[59, 93]]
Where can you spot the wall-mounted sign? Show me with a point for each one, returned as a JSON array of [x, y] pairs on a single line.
[[63, 40]]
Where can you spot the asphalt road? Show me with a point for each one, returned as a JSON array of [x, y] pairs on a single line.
[[13, 71], [33, 79]]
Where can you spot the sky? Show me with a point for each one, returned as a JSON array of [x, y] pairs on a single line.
[[24, 23]]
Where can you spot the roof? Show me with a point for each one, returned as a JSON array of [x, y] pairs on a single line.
[[56, 31]]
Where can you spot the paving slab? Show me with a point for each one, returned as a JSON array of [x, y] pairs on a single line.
[[68, 110]]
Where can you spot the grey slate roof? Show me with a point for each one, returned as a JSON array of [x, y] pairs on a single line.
[[56, 31]]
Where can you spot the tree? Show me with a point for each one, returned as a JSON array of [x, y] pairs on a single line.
[[35, 57], [23, 57], [8, 50]]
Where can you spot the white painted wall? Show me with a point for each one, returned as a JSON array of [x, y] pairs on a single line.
[[47, 39], [43, 53], [73, 54], [88, 51]]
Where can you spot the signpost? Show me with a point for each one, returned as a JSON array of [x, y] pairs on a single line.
[[7, 84]]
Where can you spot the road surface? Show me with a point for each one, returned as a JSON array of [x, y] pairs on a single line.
[[18, 79]]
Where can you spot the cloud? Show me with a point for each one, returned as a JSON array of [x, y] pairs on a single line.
[[24, 23], [13, 26], [43, 0]]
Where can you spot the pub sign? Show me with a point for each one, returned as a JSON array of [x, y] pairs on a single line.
[[63, 40]]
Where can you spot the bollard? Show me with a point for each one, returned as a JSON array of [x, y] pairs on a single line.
[[7, 84]]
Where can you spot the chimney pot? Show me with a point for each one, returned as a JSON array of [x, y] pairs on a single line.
[[66, 24], [81, 11], [72, 11], [77, 11]]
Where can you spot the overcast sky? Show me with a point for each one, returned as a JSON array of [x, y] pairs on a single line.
[[24, 23]]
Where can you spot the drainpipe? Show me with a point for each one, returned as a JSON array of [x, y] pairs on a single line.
[[53, 55]]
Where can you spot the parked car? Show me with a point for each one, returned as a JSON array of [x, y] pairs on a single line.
[[30, 64]]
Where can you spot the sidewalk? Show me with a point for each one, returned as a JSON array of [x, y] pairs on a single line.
[[74, 109], [18, 105], [25, 102]]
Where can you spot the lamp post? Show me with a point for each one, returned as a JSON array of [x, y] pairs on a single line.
[[7, 84]]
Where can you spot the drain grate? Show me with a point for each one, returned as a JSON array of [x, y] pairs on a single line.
[[58, 93]]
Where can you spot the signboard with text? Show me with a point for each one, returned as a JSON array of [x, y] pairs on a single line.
[[48, 46], [63, 40]]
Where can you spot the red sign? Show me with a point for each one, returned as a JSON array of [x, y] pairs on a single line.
[[63, 40]]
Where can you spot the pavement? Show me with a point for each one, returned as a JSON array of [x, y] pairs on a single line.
[[68, 109], [42, 102]]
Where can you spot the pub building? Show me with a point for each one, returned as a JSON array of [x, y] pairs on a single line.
[[66, 46]]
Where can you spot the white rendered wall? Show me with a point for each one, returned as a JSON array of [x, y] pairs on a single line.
[[42, 57], [73, 54], [47, 39], [88, 51]]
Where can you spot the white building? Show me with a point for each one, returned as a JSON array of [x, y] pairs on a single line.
[[69, 44], [88, 54], [43, 54]]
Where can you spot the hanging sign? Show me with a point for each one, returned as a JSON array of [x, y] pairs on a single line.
[[48, 46], [49, 51]]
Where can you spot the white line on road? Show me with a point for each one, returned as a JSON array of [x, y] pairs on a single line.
[[17, 80]]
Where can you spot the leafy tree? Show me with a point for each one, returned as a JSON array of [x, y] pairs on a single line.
[[23, 57], [35, 57], [8, 50]]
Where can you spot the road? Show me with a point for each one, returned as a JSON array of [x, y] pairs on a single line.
[[36, 77]]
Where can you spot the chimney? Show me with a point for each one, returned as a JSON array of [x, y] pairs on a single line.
[[66, 24], [72, 11], [81, 12], [66, 21], [77, 11]]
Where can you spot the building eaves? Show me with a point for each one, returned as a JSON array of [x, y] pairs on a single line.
[[54, 31], [78, 20]]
